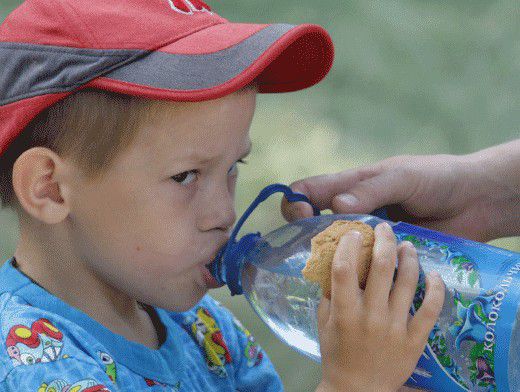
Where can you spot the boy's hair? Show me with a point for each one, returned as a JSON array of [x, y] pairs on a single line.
[[89, 127]]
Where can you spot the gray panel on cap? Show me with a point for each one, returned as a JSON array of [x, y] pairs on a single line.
[[29, 70], [194, 72]]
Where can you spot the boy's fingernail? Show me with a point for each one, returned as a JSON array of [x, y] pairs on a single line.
[[384, 226], [408, 244], [347, 199], [354, 234]]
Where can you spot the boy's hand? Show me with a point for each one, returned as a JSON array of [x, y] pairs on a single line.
[[368, 339]]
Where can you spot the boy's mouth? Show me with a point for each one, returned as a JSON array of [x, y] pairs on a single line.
[[209, 280]]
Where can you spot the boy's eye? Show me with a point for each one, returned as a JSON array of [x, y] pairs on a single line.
[[187, 175]]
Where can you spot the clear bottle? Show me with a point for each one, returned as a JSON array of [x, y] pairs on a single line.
[[475, 344]]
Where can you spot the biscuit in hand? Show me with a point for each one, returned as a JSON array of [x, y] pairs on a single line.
[[323, 247]]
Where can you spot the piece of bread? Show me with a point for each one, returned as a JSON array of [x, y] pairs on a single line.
[[323, 247]]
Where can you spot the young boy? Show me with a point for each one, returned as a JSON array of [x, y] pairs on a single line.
[[121, 128]]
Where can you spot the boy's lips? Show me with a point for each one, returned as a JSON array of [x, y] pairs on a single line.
[[209, 280]]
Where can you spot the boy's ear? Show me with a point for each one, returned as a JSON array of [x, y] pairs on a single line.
[[41, 184]]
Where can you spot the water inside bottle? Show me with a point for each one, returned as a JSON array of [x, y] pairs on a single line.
[[288, 304]]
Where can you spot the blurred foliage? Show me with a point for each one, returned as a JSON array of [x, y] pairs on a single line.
[[410, 77]]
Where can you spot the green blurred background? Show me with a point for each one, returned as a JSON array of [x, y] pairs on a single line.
[[409, 77]]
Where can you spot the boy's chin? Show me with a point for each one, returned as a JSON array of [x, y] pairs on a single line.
[[187, 304]]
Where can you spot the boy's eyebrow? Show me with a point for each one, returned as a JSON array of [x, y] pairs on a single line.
[[208, 160], [248, 151]]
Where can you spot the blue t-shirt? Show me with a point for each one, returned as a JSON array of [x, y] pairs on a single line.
[[50, 346]]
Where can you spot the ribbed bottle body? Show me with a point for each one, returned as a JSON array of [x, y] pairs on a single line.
[[461, 353]]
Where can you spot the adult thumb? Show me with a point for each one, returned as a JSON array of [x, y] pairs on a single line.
[[296, 210], [368, 195]]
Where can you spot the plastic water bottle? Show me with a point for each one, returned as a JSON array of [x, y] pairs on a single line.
[[475, 344]]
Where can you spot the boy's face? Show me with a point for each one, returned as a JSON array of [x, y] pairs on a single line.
[[162, 211]]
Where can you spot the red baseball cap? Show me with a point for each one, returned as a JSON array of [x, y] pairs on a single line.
[[178, 50]]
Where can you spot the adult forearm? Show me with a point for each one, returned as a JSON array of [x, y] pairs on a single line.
[[495, 171]]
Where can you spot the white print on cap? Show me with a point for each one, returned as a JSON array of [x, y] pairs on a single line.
[[192, 5]]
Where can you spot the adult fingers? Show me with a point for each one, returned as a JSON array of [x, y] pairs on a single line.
[[425, 318], [321, 190], [345, 291], [382, 267], [360, 190], [390, 187], [405, 286]]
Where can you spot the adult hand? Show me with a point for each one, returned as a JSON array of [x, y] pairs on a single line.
[[476, 196]]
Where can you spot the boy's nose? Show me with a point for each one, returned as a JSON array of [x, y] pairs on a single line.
[[219, 211]]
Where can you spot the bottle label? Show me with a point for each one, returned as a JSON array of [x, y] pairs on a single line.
[[470, 347]]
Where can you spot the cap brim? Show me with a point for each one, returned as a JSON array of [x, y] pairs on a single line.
[[208, 64], [223, 58]]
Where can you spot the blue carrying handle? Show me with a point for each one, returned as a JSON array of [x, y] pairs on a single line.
[[291, 197], [263, 195]]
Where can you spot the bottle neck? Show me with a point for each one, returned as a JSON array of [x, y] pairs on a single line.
[[227, 267]]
